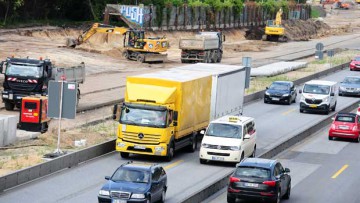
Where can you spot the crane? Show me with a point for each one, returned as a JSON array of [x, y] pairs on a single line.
[[137, 46]]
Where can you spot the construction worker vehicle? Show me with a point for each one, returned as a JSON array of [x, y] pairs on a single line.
[[137, 46], [30, 77], [206, 47], [164, 111], [274, 31]]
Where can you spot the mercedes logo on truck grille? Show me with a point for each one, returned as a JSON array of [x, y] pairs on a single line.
[[140, 136]]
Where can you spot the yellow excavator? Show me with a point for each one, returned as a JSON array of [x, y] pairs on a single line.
[[274, 31], [137, 46]]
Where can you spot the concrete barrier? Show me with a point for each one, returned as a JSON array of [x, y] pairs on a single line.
[[72, 159]]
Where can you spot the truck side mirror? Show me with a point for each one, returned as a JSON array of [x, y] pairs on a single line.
[[175, 116], [175, 123], [116, 112], [2, 64], [300, 91], [332, 94], [202, 132]]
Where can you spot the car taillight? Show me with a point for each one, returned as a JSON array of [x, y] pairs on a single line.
[[355, 128], [201, 53], [270, 183], [333, 126], [234, 179]]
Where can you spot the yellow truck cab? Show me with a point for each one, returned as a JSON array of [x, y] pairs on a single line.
[[229, 139], [164, 111]]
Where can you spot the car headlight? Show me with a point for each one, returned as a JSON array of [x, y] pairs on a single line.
[[235, 148], [285, 95], [358, 89], [159, 149], [342, 88], [266, 93], [302, 98], [104, 192], [326, 99], [138, 196], [205, 145], [121, 144]]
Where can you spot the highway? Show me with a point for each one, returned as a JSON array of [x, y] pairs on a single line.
[[322, 171], [275, 123]]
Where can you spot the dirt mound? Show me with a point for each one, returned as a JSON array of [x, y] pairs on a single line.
[[300, 30], [254, 33]]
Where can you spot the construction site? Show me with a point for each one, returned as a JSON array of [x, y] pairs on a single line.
[[109, 58]]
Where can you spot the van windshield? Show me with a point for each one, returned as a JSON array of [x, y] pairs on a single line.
[[316, 89], [224, 130]]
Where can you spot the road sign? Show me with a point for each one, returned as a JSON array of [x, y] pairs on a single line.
[[319, 46], [69, 98], [330, 52]]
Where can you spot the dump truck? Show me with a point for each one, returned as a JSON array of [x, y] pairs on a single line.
[[164, 111], [206, 47], [27, 77]]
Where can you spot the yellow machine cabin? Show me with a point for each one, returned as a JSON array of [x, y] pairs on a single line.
[[138, 47], [274, 31], [164, 111]]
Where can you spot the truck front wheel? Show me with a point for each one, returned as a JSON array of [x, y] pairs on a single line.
[[170, 152], [124, 155], [9, 106]]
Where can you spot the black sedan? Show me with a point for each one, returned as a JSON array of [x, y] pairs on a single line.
[[259, 179], [134, 183], [280, 92]]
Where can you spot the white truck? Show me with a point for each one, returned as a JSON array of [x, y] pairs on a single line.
[[206, 47]]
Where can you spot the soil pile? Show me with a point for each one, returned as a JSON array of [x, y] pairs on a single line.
[[300, 30]]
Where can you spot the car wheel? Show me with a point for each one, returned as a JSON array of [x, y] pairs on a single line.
[[278, 197], [294, 100], [231, 199], [331, 138], [289, 102], [265, 101], [334, 107], [202, 161], [163, 196], [242, 156], [9, 106], [170, 152], [340, 94], [193, 145], [287, 194], [254, 152], [357, 139], [301, 110], [148, 200], [124, 155]]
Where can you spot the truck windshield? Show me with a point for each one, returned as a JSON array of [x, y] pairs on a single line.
[[143, 117], [316, 89], [24, 71], [224, 130]]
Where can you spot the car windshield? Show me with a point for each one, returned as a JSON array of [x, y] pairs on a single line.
[[24, 71], [316, 89], [129, 175], [357, 58], [253, 172], [224, 130], [348, 119], [143, 117], [352, 80], [279, 86]]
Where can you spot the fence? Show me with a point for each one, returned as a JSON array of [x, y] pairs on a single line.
[[197, 18]]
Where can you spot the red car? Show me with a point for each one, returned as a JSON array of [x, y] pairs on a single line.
[[345, 125], [355, 63]]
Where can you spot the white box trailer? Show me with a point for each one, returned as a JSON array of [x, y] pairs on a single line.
[[228, 87]]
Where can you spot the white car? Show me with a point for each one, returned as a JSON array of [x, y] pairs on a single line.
[[229, 139]]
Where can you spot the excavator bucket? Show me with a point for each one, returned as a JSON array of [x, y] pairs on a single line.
[[71, 42]]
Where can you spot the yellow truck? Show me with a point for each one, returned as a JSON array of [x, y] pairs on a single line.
[[164, 111]]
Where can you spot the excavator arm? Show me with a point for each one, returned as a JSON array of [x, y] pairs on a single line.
[[95, 28], [278, 17]]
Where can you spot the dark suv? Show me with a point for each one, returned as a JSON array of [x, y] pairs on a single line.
[[135, 182], [261, 179]]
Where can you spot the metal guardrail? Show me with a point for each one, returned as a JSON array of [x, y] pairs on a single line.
[[72, 159]]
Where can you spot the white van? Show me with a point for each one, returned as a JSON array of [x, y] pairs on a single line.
[[229, 139], [318, 95]]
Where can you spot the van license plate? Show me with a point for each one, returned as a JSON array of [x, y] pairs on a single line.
[[217, 158], [313, 106], [139, 147], [118, 201], [251, 184]]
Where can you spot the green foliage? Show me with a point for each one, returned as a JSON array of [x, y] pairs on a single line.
[[315, 13], [269, 5], [197, 3]]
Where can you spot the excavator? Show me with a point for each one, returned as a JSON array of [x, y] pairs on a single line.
[[137, 46], [274, 31]]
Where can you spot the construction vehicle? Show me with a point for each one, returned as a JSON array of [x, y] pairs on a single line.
[[206, 47], [26, 77], [341, 5], [33, 114], [137, 46], [274, 31], [164, 111]]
